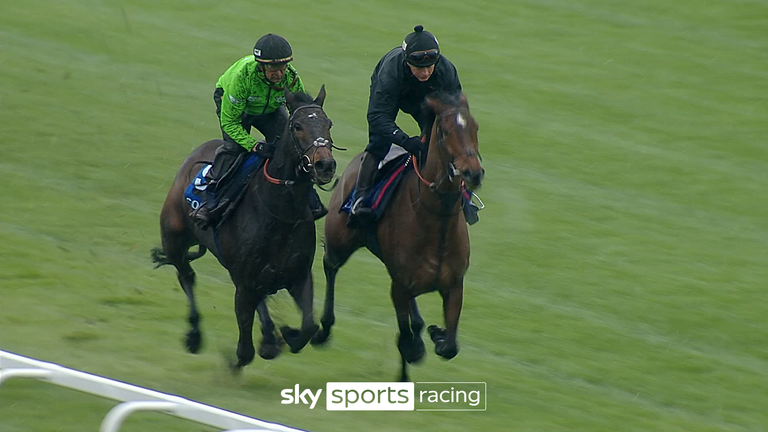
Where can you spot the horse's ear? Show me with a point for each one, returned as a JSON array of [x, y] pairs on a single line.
[[463, 100], [320, 99], [434, 104], [290, 100]]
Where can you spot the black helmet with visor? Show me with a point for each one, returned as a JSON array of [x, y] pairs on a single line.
[[273, 50]]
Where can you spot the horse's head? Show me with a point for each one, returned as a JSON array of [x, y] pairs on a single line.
[[309, 131], [456, 133]]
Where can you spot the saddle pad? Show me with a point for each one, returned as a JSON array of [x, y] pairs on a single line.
[[198, 183], [238, 180], [387, 179]]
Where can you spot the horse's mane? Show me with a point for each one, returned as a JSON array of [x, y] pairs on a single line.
[[452, 98], [303, 98]]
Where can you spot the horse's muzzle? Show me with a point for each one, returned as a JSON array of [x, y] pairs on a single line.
[[473, 179], [325, 169]]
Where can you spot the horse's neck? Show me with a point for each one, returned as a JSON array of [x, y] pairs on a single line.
[[436, 205], [283, 167], [436, 167], [283, 164]]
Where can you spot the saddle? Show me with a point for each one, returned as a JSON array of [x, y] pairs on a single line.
[[228, 191], [391, 171], [385, 183]]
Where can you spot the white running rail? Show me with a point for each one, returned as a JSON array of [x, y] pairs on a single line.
[[132, 398]]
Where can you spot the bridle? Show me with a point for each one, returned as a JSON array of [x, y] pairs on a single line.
[[447, 199], [305, 162], [451, 169], [305, 159]]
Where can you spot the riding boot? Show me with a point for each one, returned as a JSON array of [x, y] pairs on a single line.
[[316, 205], [470, 207], [470, 213], [203, 216], [361, 212], [208, 212]]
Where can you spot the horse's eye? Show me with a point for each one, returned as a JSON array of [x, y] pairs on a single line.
[[297, 127]]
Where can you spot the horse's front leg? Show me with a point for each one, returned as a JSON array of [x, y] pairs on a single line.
[[445, 338], [332, 262], [409, 343], [302, 293], [417, 322], [269, 347], [245, 308]]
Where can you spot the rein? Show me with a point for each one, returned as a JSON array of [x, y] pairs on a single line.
[[274, 180], [445, 198]]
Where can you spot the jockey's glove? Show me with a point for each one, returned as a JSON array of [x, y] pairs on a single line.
[[264, 149], [414, 145]]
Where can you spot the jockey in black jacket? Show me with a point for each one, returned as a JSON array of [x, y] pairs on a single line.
[[400, 82]]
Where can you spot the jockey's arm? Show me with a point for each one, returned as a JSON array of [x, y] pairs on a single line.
[[382, 111], [232, 107]]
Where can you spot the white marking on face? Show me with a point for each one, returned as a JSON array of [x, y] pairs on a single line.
[[461, 120], [313, 115]]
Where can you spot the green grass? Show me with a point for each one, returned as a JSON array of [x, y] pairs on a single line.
[[618, 273]]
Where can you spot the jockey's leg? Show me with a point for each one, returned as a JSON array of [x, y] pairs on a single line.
[[316, 205], [469, 206], [361, 212], [225, 157]]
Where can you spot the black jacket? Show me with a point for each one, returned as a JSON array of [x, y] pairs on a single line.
[[393, 88]]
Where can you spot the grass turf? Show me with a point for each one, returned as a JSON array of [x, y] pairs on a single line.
[[618, 273]]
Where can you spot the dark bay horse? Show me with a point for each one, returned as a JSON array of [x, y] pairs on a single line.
[[268, 242], [422, 237]]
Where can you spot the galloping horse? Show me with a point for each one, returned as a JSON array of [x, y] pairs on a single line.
[[422, 237], [268, 241]]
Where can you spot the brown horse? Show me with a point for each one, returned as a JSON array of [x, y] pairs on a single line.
[[422, 237], [268, 242]]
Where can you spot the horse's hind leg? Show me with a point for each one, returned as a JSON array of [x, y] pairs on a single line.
[[303, 295], [269, 348], [410, 345], [176, 240], [445, 339], [187, 278]]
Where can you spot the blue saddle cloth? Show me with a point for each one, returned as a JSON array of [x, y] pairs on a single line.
[[239, 178]]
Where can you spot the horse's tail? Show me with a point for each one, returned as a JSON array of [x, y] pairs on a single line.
[[160, 258]]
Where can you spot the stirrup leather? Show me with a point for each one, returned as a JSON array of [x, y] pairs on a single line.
[[358, 205]]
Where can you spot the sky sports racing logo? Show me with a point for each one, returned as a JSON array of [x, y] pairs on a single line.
[[391, 396]]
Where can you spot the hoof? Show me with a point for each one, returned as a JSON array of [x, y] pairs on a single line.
[[436, 333], [245, 356], [416, 352], [269, 351], [412, 350], [321, 337], [445, 351], [193, 341], [442, 347], [297, 339]]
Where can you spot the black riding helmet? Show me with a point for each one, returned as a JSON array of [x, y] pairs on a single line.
[[272, 48], [421, 48]]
